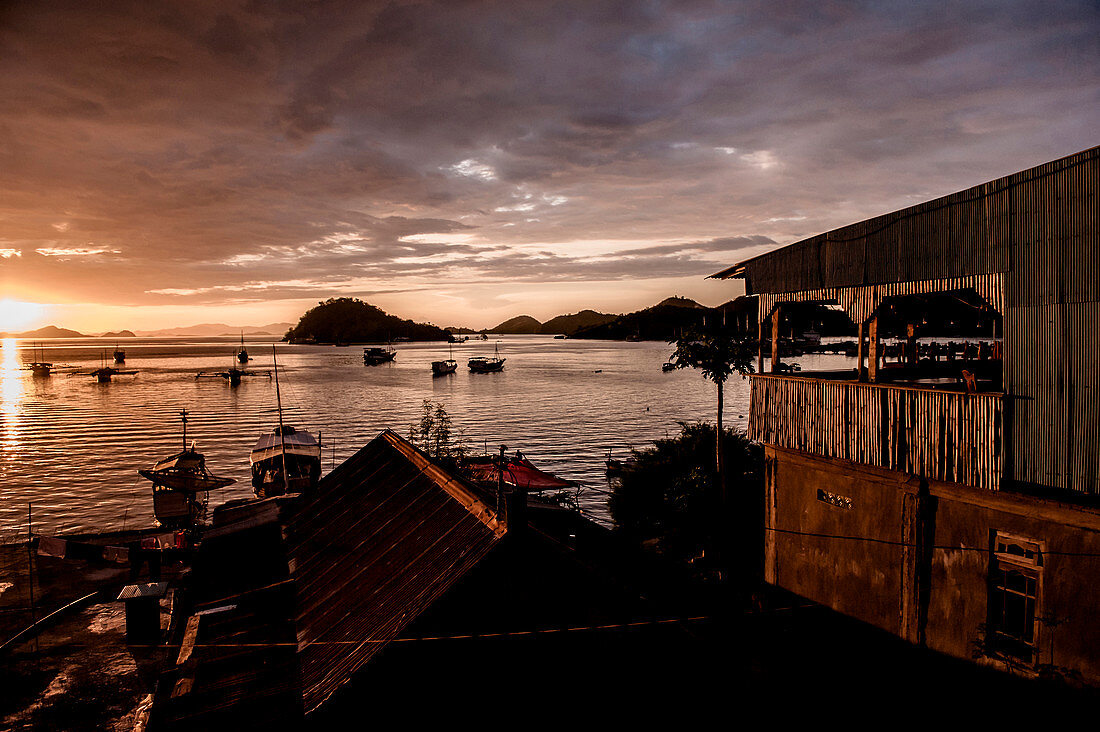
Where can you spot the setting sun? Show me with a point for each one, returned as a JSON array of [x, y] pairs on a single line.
[[17, 315]]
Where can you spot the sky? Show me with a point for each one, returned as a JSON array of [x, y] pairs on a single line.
[[463, 162]]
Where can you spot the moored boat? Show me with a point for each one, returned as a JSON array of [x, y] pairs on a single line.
[[181, 484], [286, 461], [375, 355], [487, 364], [242, 354], [442, 368]]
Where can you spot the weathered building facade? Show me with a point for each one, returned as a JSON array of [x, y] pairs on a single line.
[[953, 503]]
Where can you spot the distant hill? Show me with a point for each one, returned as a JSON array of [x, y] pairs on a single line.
[[119, 334], [218, 329], [680, 302], [50, 331], [519, 325], [350, 320], [570, 324], [661, 322], [461, 331]]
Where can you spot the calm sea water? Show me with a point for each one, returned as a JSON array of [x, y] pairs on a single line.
[[71, 447]]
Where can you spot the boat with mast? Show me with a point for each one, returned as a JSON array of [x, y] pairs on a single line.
[[233, 374], [242, 354], [40, 366], [104, 373], [447, 366], [374, 355], [486, 364], [119, 355], [286, 461], [181, 485]]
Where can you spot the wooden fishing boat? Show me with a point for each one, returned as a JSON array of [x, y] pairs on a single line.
[[375, 355], [242, 354], [181, 486], [486, 364], [286, 461], [442, 368], [119, 355], [446, 366]]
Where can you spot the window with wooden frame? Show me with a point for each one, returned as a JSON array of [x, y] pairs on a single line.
[[1015, 594]]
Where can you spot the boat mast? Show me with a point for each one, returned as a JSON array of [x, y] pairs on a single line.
[[183, 416], [282, 434]]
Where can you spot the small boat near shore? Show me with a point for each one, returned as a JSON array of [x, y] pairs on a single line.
[[375, 355], [286, 461], [119, 355], [181, 486]]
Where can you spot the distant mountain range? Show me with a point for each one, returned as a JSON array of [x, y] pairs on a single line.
[[661, 322], [220, 329], [561, 325], [50, 331]]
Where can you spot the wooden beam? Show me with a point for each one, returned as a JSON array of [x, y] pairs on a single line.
[[861, 352], [873, 349], [775, 338]]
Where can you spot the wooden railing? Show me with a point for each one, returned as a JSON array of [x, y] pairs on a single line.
[[941, 435]]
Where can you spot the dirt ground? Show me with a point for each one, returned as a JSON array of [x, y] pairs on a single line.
[[79, 673]]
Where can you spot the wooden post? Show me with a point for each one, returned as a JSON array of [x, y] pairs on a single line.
[[911, 356], [861, 352], [775, 339], [759, 345], [30, 572], [872, 349]]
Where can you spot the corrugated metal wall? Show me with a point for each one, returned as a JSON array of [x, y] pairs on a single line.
[[943, 435], [1041, 228]]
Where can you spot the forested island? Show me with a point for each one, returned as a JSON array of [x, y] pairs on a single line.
[[350, 320]]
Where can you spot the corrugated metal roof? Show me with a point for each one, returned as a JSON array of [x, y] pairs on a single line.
[[972, 232], [149, 589], [309, 588]]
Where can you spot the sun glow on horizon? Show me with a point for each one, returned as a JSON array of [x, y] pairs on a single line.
[[18, 314]]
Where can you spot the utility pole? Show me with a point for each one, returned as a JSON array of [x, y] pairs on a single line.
[[30, 572]]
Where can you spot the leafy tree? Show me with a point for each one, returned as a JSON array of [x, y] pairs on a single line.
[[718, 354], [668, 493], [435, 435]]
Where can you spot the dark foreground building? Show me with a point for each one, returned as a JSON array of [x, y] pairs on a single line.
[[947, 494], [395, 589]]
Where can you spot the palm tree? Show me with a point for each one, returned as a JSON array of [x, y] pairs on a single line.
[[718, 354]]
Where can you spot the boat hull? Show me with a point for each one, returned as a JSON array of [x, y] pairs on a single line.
[[486, 365], [442, 368]]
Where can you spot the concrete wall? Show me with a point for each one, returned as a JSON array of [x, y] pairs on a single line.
[[913, 557]]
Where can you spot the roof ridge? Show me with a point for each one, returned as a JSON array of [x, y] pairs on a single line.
[[451, 484]]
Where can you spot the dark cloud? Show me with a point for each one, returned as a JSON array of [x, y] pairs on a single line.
[[296, 149]]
